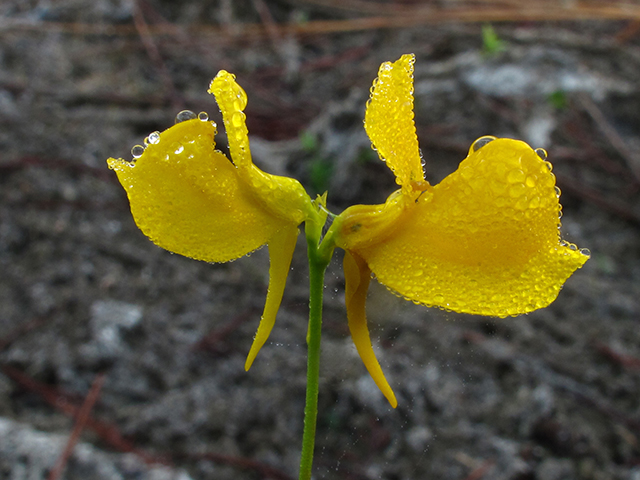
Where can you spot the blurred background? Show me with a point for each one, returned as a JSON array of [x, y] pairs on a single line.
[[136, 356]]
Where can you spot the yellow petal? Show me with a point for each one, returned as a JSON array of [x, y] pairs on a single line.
[[281, 248], [360, 226], [484, 241], [357, 277], [389, 120], [232, 100], [188, 198], [284, 197]]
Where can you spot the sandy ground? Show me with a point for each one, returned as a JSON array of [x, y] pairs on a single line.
[[86, 298]]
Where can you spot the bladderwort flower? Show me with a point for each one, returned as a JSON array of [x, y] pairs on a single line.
[[483, 241]]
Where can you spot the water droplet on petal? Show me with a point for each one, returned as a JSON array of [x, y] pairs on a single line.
[[203, 116], [586, 252], [549, 165], [481, 142], [558, 191], [516, 176], [179, 148], [185, 115], [137, 151], [517, 190], [154, 138], [237, 119], [542, 153], [530, 181]]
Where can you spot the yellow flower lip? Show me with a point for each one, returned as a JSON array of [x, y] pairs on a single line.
[[485, 241], [188, 198]]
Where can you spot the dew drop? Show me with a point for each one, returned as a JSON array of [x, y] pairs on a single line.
[[573, 247], [516, 176], [481, 142], [179, 148], [548, 165], [522, 203], [530, 181], [185, 115], [153, 138], [542, 153], [203, 116], [586, 252], [558, 191], [137, 151], [237, 119], [517, 190]]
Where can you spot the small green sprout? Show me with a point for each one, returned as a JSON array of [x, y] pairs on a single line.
[[491, 43], [558, 99]]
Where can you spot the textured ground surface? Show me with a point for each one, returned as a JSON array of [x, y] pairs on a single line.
[[548, 396]]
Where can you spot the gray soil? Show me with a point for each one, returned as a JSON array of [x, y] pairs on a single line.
[[553, 395]]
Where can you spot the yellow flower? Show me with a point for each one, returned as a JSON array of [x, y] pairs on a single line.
[[188, 198], [484, 241]]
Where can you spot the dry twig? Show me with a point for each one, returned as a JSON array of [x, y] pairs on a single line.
[[549, 11], [152, 50], [81, 421], [631, 158]]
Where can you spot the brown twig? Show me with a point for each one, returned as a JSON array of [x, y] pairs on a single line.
[[110, 434], [56, 164], [422, 9], [631, 158], [631, 30], [481, 471], [81, 421], [64, 402], [152, 50], [627, 361], [594, 196], [591, 152], [478, 468], [537, 13], [269, 23]]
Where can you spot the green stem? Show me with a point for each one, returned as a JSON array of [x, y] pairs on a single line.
[[319, 259]]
